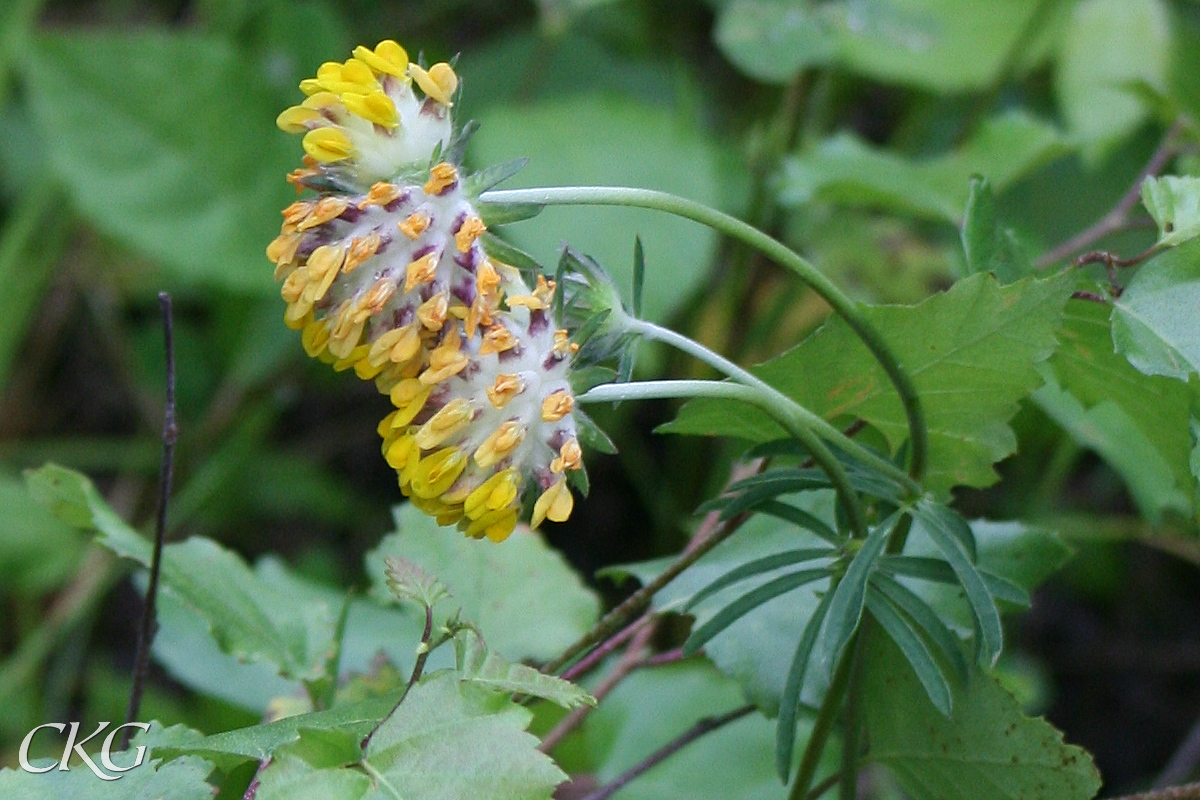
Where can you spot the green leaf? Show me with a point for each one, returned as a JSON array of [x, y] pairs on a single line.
[[189, 170], [1109, 45], [639, 275], [757, 649], [408, 581], [925, 619], [793, 687], [758, 565], [771, 40], [259, 615], [1136, 423], [483, 667], [987, 750], [523, 596], [971, 352], [290, 777], [489, 177], [987, 246], [915, 651], [941, 45], [939, 571], [845, 610], [616, 141], [1154, 321], [1019, 554], [845, 170], [454, 739], [181, 779], [450, 740], [1174, 202], [747, 603], [939, 524], [37, 551], [731, 763]]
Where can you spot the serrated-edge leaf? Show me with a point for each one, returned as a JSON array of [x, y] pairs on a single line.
[[758, 565], [483, 667], [789, 701], [926, 619], [1174, 203], [747, 603], [990, 634], [845, 610], [915, 651], [408, 580]]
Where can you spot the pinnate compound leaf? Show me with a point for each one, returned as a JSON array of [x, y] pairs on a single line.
[[765, 564], [483, 667], [408, 581], [181, 779], [939, 523], [845, 610], [757, 649], [924, 619], [523, 596], [972, 354], [789, 701], [188, 170], [1174, 202], [747, 603], [915, 651], [1154, 322], [256, 615], [987, 749]]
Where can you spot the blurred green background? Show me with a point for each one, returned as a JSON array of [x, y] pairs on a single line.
[[138, 153]]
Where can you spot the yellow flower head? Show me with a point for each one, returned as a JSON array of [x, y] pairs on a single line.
[[385, 273], [362, 120]]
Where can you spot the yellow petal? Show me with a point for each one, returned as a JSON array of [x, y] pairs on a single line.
[[436, 473], [328, 145]]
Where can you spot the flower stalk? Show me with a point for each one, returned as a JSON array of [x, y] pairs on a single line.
[[772, 248]]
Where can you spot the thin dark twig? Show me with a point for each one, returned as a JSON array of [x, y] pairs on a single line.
[[170, 432], [631, 660], [600, 653], [422, 654], [1188, 791], [706, 725], [1118, 217], [1089, 296]]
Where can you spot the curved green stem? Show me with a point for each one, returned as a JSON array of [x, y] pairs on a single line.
[[772, 248], [715, 360], [783, 414]]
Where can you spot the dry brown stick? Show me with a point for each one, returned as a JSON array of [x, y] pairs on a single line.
[[1188, 791]]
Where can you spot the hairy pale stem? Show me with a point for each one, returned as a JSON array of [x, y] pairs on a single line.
[[768, 246]]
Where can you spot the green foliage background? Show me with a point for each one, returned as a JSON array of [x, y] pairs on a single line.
[[138, 153]]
